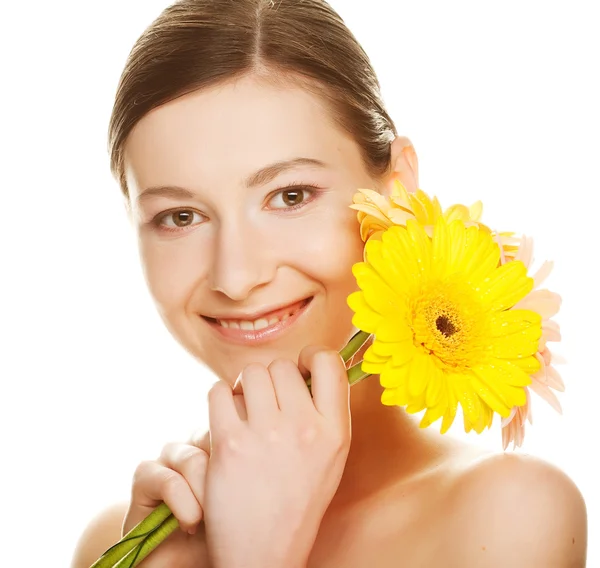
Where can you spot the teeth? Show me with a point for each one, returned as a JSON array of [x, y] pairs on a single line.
[[261, 323]]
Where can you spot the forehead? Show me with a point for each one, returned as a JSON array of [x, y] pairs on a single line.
[[231, 129]]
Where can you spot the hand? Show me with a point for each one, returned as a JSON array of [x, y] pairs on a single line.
[[178, 479], [275, 467]]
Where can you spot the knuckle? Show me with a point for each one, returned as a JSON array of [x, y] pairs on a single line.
[[215, 389], [141, 471], [273, 436], [172, 484], [308, 434], [194, 459], [337, 440], [333, 357], [283, 364], [341, 442], [230, 444], [167, 450], [253, 370]]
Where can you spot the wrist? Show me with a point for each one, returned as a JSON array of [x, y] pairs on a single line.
[[255, 556], [258, 562]]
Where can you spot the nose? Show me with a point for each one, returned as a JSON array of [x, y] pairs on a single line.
[[242, 261]]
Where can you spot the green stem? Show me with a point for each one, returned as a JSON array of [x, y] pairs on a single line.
[[356, 374], [133, 538], [353, 346], [152, 540]]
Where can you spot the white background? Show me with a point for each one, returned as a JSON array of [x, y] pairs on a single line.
[[501, 102]]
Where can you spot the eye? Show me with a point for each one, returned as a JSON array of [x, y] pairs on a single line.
[[292, 197], [176, 220]]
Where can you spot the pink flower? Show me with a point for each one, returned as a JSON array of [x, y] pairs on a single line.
[[547, 380]]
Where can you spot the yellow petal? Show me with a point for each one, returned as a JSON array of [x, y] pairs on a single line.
[[490, 397], [420, 372], [435, 387], [501, 376], [476, 210], [395, 377], [517, 343], [507, 285], [450, 412], [470, 402]]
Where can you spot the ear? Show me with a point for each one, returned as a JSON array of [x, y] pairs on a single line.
[[404, 165]]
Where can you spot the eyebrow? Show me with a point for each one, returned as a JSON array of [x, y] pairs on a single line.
[[260, 177]]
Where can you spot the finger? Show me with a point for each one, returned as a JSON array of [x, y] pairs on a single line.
[[201, 439], [238, 398], [259, 394], [290, 387], [190, 462], [222, 413], [240, 406], [329, 379], [154, 483]]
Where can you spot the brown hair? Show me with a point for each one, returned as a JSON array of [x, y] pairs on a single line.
[[198, 43]]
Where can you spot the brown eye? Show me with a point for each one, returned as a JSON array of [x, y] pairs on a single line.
[[179, 219], [182, 218], [290, 198]]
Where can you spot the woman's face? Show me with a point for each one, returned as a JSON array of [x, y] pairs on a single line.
[[240, 197]]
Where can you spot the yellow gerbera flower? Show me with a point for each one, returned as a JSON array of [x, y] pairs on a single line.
[[377, 213], [439, 308]]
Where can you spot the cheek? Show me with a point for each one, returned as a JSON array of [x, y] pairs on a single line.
[[328, 250], [171, 271]]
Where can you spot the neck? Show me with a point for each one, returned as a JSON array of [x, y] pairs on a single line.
[[387, 445]]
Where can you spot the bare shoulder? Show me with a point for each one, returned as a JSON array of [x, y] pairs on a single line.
[[101, 533], [519, 511]]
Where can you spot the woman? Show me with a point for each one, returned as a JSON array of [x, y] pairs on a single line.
[[240, 132]]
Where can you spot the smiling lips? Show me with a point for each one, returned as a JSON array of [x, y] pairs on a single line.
[[265, 326]]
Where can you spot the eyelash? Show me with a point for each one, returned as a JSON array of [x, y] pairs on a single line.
[[307, 187]]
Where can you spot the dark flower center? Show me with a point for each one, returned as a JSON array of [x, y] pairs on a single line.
[[445, 326]]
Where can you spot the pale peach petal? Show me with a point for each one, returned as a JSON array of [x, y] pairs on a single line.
[[542, 273], [498, 239], [554, 380], [529, 408], [371, 211], [506, 421], [379, 200], [400, 202], [514, 432], [550, 331], [525, 252], [541, 374], [507, 436], [544, 392], [545, 354], [543, 302], [399, 216], [513, 428], [558, 359]]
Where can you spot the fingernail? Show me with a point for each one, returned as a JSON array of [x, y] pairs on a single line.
[[192, 531]]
